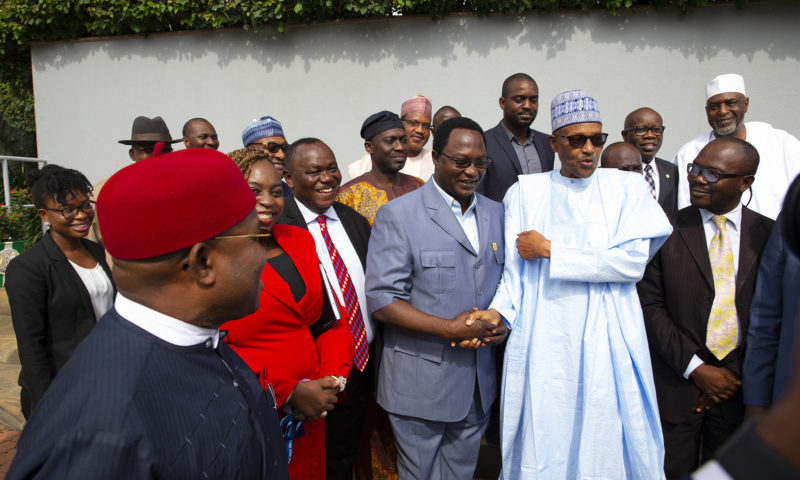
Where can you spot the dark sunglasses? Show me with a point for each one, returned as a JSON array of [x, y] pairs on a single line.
[[273, 147], [464, 163], [711, 175], [578, 141]]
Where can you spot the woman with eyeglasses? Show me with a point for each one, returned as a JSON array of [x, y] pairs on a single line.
[[59, 288], [293, 342], [266, 134]]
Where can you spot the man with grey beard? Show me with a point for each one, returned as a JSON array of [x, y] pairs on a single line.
[[726, 105]]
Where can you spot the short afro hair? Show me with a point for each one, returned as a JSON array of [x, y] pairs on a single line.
[[443, 131], [56, 182]]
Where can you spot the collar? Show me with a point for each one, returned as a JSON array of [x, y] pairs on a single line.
[[310, 216], [169, 329], [734, 216], [511, 136], [452, 202]]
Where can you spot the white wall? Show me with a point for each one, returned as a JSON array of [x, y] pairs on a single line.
[[323, 80]]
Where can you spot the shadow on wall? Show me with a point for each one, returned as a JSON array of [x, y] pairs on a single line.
[[409, 40]]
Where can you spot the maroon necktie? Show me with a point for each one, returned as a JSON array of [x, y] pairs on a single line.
[[355, 320]]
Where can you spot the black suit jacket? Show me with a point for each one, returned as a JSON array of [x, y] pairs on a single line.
[[676, 293], [355, 225], [505, 166], [51, 311], [668, 179]]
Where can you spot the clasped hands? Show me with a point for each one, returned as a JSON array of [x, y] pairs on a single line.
[[313, 399], [477, 328], [717, 384]]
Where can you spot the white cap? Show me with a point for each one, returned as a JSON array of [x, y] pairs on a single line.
[[729, 82]]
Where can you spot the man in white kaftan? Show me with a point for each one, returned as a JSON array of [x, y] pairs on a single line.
[[578, 399], [726, 105]]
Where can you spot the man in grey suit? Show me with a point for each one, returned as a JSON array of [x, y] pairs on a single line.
[[515, 148], [434, 255], [644, 129]]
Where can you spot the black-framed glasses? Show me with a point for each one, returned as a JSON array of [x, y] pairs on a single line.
[[641, 130], [464, 163], [710, 175], [578, 141], [262, 237], [273, 147], [70, 213], [416, 124]]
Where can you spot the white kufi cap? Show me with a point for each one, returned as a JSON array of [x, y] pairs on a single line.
[[729, 82]]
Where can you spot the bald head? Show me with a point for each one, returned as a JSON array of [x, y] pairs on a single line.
[[638, 131], [445, 113], [622, 156]]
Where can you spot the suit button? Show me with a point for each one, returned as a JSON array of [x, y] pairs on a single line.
[[478, 264], [480, 292]]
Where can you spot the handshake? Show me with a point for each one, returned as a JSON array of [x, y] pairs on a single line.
[[477, 328]]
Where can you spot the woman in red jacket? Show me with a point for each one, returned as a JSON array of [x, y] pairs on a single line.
[[306, 370]]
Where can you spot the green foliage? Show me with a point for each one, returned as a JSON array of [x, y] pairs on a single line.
[[21, 220], [25, 21]]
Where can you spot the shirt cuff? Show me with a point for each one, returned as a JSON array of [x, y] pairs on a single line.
[[693, 363]]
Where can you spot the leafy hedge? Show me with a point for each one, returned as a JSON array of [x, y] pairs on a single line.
[[25, 21]]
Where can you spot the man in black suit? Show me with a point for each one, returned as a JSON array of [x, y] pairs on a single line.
[[644, 129], [314, 177], [515, 149], [696, 295]]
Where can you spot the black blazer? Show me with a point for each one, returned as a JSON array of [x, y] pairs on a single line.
[[668, 178], [505, 166], [51, 311], [676, 294]]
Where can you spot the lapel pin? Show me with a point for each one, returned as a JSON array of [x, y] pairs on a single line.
[[494, 246], [668, 175]]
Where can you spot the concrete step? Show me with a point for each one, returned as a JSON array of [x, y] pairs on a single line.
[[10, 414]]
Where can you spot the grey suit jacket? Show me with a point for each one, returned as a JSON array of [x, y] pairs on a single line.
[[418, 253]]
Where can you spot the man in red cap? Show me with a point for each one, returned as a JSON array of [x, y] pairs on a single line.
[[153, 392]]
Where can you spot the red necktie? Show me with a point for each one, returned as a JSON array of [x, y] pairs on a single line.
[[355, 320]]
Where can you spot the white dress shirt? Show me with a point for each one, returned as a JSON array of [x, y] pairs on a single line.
[[97, 283], [467, 220], [349, 256], [733, 224], [169, 329]]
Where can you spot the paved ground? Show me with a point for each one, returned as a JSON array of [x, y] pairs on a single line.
[[11, 421]]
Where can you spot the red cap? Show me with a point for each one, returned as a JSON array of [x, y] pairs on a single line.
[[163, 204]]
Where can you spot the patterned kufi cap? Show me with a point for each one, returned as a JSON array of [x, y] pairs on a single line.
[[573, 106]]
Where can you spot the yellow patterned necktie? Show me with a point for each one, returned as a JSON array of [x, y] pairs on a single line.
[[723, 324]]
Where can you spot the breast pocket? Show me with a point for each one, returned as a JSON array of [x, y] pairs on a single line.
[[438, 270]]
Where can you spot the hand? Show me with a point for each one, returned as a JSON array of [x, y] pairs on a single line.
[[753, 411], [704, 402], [717, 382], [312, 397], [498, 333], [469, 333], [532, 245]]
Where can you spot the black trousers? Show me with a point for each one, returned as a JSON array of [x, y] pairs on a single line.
[[344, 423], [694, 441]]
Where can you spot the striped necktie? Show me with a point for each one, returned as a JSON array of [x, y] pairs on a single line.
[[648, 175], [355, 320], [723, 325]]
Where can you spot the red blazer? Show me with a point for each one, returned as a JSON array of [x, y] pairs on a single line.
[[275, 340]]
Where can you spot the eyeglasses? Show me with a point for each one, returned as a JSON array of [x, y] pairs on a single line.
[[273, 147], [416, 124], [578, 141], [70, 213], [464, 163], [641, 130], [262, 237], [711, 175]]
